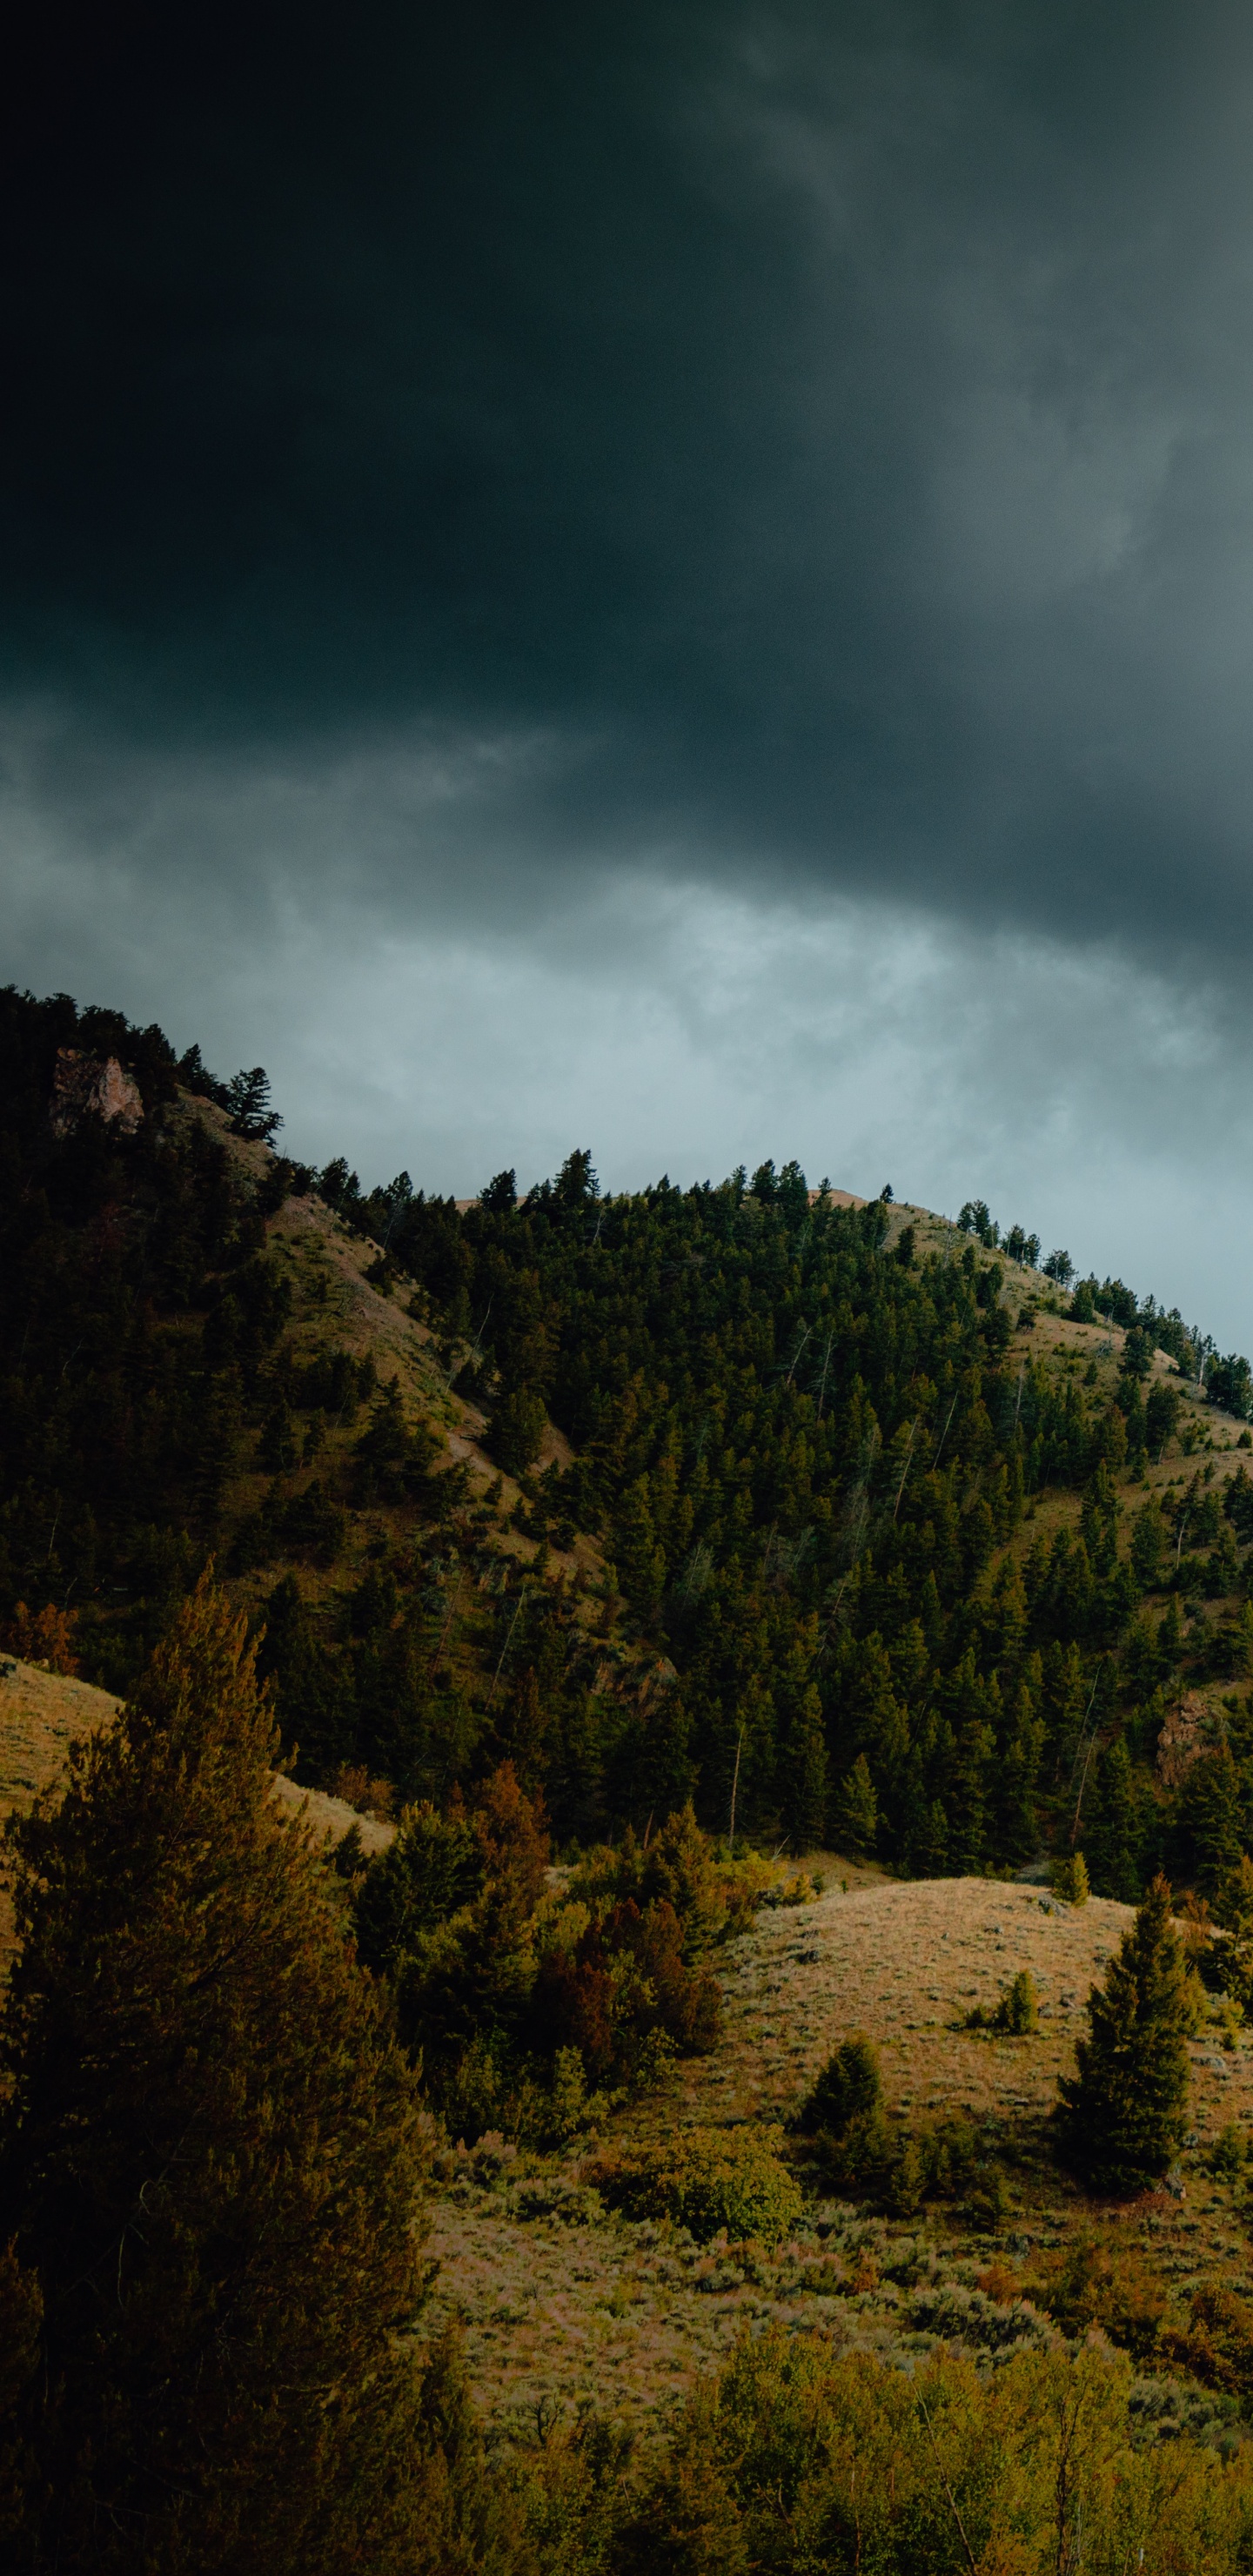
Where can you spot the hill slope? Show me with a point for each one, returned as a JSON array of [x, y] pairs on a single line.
[[652, 1495]]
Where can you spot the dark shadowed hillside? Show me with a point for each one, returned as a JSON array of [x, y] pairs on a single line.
[[686, 1493]]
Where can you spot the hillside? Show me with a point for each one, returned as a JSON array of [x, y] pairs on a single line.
[[561, 2301], [712, 1609], [755, 1483]]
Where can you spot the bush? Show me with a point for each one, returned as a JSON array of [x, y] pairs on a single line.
[[1217, 2345], [1228, 2153], [713, 1898], [706, 2180], [1017, 2013], [1089, 2283]]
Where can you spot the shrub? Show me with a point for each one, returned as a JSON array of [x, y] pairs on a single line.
[[1228, 2153], [1089, 2283], [937, 2161], [622, 1983], [1217, 2345], [706, 2180], [843, 2113], [1017, 2013], [712, 1898]]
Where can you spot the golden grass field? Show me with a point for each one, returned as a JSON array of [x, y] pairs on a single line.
[[557, 2309], [561, 2303]]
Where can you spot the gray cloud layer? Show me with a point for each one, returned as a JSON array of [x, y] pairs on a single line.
[[507, 506]]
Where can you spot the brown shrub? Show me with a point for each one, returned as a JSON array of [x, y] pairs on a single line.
[[1217, 2345], [1091, 2283], [42, 1637]]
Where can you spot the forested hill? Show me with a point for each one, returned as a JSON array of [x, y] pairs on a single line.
[[719, 1491]]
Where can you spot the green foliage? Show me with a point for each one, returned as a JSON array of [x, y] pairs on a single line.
[[210, 2157], [1112, 1832], [713, 1897], [1017, 2013], [529, 2011], [1069, 1877], [844, 2115], [1123, 2114], [517, 1429], [1229, 2152], [432, 1869], [707, 2180], [856, 1817], [798, 2458], [806, 1461], [848, 2088]]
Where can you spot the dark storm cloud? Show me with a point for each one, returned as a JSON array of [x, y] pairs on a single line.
[[822, 432]]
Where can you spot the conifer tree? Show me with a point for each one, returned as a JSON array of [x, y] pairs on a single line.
[[856, 1810], [1124, 2113], [1209, 1819], [1111, 1834], [210, 2161], [803, 1757]]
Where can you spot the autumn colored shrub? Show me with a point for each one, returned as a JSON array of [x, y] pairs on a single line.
[[500, 1982], [1216, 2346], [1093, 2283], [41, 1637], [711, 1898]]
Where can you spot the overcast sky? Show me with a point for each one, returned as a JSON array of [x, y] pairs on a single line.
[[677, 579]]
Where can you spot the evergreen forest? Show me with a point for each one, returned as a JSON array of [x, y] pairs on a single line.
[[833, 1548]]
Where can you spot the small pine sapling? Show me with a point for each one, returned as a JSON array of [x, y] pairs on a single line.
[[1070, 1878]]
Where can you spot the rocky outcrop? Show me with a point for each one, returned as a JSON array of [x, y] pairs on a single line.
[[93, 1086], [1187, 1732]]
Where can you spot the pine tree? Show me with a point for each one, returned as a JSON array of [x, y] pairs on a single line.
[[1123, 2115], [856, 1810], [803, 1761], [1112, 1831], [209, 2159], [248, 1100], [1209, 1819]]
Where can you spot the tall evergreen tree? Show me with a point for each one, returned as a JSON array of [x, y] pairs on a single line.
[[856, 1810], [210, 2161], [1209, 1819], [1112, 1830], [1124, 2113]]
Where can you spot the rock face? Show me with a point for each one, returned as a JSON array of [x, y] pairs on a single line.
[[95, 1085], [1186, 1734]]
